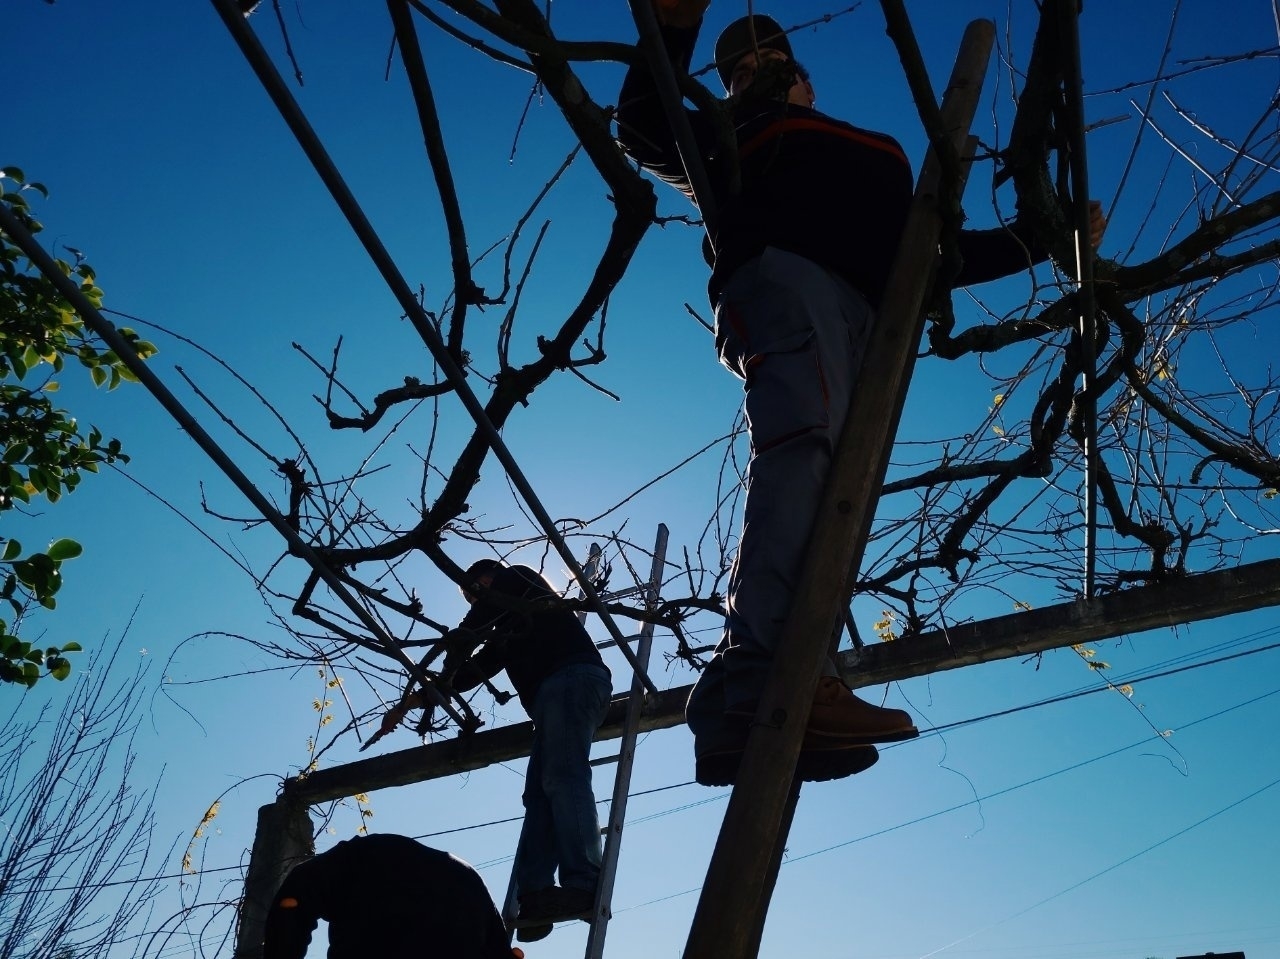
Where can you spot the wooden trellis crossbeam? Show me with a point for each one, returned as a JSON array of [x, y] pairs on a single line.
[[1175, 602]]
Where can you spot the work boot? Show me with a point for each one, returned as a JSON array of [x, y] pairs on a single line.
[[819, 761], [533, 907], [545, 907], [840, 716], [570, 902]]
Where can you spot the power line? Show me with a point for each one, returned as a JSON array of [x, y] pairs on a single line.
[[1099, 689], [930, 731], [980, 799], [1113, 866]]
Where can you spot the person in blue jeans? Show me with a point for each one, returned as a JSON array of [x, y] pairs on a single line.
[[517, 623]]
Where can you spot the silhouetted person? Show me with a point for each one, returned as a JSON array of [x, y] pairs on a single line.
[[386, 897]]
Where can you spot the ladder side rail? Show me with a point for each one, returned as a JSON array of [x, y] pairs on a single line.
[[626, 762]]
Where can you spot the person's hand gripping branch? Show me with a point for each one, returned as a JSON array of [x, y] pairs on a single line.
[[458, 645]]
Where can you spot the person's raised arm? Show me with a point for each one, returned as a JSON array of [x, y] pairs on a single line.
[[643, 127]]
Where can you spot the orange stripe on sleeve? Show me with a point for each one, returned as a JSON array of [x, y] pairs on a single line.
[[818, 126]]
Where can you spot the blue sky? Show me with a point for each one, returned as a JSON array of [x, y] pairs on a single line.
[[1066, 831]]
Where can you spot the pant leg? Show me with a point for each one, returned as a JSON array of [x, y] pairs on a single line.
[[570, 707], [536, 859], [795, 334]]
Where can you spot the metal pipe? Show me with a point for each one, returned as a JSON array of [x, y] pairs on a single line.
[[1073, 88], [664, 78], [292, 114]]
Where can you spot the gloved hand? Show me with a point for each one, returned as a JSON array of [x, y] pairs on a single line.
[[680, 13]]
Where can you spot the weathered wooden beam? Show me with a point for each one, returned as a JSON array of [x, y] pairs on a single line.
[[1190, 599], [283, 840], [466, 753]]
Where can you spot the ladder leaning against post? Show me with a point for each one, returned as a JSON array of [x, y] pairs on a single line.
[[602, 910], [735, 897]]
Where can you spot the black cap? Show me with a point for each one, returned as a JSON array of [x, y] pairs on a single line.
[[735, 42]]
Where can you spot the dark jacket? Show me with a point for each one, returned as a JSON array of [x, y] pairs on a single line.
[[530, 645], [390, 897], [810, 184]]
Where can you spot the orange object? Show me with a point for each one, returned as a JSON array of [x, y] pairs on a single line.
[[517, 952], [288, 902]]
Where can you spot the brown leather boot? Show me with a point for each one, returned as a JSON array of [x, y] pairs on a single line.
[[838, 714]]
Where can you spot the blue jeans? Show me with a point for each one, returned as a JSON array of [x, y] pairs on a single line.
[[561, 828]]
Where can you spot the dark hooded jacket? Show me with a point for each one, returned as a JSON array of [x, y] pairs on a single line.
[[386, 896]]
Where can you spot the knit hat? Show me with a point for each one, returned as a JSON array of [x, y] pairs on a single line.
[[735, 42]]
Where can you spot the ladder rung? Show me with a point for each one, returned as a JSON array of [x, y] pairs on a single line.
[[606, 643], [605, 760]]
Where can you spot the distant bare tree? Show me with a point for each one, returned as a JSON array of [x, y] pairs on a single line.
[[75, 828]]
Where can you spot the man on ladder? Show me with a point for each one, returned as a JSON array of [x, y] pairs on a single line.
[[808, 223], [517, 623]]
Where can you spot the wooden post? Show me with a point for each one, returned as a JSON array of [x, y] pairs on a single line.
[[735, 896], [283, 839]]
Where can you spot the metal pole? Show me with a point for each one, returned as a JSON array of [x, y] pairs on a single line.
[[664, 77], [124, 349], [626, 761], [292, 114], [1073, 88]]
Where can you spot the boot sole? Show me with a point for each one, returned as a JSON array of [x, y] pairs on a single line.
[[533, 933], [864, 739], [813, 765]]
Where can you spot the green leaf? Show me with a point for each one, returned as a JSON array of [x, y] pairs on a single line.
[[62, 549], [59, 668], [11, 550], [98, 374], [72, 647]]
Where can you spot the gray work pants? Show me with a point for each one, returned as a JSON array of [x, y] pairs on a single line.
[[795, 334]]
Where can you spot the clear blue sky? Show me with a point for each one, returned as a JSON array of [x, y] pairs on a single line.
[[1071, 831]]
